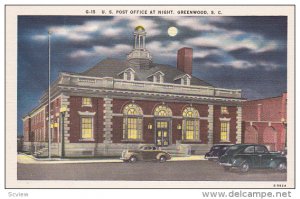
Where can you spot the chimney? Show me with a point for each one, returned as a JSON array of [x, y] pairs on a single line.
[[185, 60]]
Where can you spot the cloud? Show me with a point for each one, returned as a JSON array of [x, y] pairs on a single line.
[[112, 32], [39, 37], [101, 50], [151, 26], [230, 41], [199, 23]]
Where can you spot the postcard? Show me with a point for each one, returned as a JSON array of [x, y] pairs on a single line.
[[150, 96]]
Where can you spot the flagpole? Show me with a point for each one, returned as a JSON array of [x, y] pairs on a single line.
[[49, 102]]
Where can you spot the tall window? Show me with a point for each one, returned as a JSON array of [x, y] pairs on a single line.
[[190, 124], [86, 101], [132, 122], [86, 127], [224, 137]]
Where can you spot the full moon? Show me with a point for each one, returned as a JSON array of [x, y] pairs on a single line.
[[172, 31]]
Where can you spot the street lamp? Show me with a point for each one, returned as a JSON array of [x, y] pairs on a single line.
[[63, 111], [49, 95]]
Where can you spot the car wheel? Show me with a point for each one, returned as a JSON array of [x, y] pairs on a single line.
[[226, 168], [162, 159], [132, 159], [244, 168], [281, 167]]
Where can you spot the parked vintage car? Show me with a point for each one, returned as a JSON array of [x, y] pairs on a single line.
[[216, 151], [145, 153], [248, 156]]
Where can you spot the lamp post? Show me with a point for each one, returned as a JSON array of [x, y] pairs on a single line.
[[63, 111], [49, 96]]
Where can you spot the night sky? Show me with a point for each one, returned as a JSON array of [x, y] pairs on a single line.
[[248, 53]]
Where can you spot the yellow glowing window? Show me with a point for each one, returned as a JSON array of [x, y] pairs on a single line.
[[224, 110], [224, 131], [132, 122], [190, 124], [86, 128], [86, 101], [162, 111], [132, 128]]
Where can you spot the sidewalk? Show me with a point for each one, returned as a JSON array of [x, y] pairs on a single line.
[[29, 159]]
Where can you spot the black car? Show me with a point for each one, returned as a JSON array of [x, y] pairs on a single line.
[[216, 151], [248, 156]]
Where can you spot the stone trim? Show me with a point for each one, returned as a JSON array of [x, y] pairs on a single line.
[[239, 125], [224, 119], [86, 113], [158, 94], [107, 124], [210, 119], [151, 116]]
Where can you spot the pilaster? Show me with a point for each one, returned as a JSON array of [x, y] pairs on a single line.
[[210, 120], [107, 124], [66, 103], [239, 125]]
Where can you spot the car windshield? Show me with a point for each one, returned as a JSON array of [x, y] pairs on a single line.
[[233, 149]]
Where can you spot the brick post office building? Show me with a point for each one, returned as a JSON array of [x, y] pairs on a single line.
[[123, 104], [264, 122]]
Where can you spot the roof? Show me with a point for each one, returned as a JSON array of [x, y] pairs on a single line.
[[112, 67]]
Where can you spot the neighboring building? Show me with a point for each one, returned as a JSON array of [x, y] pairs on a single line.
[[20, 143], [264, 122], [122, 104]]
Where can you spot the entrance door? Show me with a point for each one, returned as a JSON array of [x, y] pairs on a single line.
[[162, 133]]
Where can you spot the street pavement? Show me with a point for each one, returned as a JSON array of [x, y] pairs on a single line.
[[196, 169], [28, 159]]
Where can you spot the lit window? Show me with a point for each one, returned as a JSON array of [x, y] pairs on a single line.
[[86, 127], [190, 124], [86, 101], [224, 110], [162, 111], [224, 137], [132, 122]]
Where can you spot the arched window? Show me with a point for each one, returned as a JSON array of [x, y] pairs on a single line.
[[162, 111], [132, 122], [190, 124]]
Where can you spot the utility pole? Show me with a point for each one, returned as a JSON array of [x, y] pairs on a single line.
[[49, 96]]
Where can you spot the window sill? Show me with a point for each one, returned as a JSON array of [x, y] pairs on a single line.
[[191, 141], [87, 140], [225, 141], [132, 140], [86, 105]]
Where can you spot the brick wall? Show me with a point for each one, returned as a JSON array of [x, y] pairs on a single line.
[[75, 106], [148, 109], [217, 123], [37, 127], [271, 109], [26, 129]]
